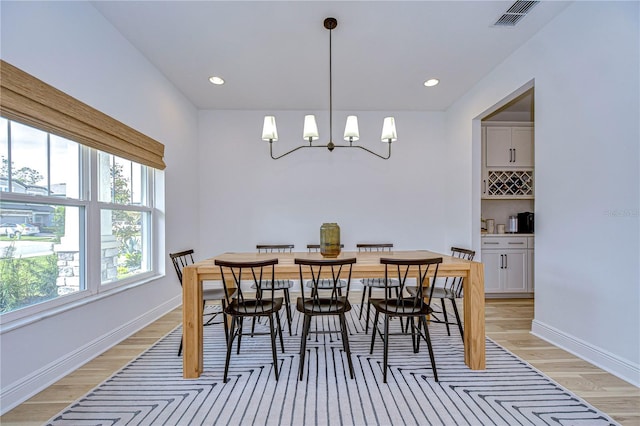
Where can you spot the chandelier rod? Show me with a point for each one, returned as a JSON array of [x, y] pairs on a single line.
[[330, 25]]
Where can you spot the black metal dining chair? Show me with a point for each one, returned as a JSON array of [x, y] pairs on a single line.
[[322, 304], [185, 258], [373, 283], [451, 289], [411, 308], [243, 306], [277, 285]]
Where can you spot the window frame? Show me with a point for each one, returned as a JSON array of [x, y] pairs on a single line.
[[150, 207], [59, 114]]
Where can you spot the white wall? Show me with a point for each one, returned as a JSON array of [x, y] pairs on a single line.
[[70, 46], [586, 69], [247, 198]]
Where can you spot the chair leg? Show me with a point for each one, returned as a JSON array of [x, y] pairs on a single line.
[[280, 331], [418, 334], [374, 331], [287, 300], [366, 328], [239, 322], [406, 327], [229, 345], [401, 320], [386, 348], [415, 337], [273, 345], [303, 345], [345, 342], [226, 326], [225, 320], [431, 356], [455, 310], [364, 294], [444, 313], [254, 319]]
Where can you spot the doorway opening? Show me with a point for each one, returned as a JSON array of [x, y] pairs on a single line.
[[504, 134]]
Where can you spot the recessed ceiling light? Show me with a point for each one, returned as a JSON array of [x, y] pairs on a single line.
[[431, 82], [216, 80]]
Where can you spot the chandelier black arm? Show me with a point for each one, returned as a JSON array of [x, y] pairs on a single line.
[[325, 146], [368, 150], [293, 150]]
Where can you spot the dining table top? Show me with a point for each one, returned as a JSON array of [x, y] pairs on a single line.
[[367, 262]]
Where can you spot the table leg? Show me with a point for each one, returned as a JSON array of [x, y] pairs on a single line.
[[192, 332], [474, 330]]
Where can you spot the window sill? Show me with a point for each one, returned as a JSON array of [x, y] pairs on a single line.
[[29, 319]]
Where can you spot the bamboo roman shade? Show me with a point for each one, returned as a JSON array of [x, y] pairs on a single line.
[[28, 100]]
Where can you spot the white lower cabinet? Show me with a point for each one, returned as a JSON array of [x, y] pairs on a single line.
[[506, 265]]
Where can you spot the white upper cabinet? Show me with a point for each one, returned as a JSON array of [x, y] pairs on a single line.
[[509, 147], [507, 161]]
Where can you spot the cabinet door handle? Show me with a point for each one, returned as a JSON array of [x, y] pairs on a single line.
[[501, 262], [506, 264], [514, 155], [490, 242], [484, 190], [510, 155], [515, 242]]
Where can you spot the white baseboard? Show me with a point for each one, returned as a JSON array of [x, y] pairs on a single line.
[[18, 392], [617, 366]]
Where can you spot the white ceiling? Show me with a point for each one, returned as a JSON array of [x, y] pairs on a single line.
[[274, 55]]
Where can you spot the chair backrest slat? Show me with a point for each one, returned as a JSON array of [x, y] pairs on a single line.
[[274, 248], [336, 269], [455, 283], [258, 271], [399, 269], [180, 260], [374, 246]]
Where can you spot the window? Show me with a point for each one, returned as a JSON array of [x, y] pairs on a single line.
[[44, 237], [77, 198], [41, 217], [125, 217]]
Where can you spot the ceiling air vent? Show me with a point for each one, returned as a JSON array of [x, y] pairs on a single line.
[[515, 13]]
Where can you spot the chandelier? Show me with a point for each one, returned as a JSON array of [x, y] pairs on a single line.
[[310, 129]]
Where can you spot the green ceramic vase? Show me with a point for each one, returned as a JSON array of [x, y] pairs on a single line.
[[330, 240]]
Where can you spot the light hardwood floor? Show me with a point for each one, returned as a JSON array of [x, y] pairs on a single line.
[[508, 322]]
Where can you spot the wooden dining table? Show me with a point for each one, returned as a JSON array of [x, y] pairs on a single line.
[[367, 265]]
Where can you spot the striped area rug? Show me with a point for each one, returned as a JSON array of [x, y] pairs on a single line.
[[151, 391]]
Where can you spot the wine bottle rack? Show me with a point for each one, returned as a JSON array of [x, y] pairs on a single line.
[[501, 183]]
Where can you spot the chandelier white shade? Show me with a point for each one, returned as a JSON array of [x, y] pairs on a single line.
[[310, 129], [351, 132], [269, 130], [389, 130]]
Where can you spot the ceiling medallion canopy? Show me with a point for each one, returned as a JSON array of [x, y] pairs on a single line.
[[310, 129]]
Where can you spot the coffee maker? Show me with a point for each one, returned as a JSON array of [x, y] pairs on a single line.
[[525, 223]]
